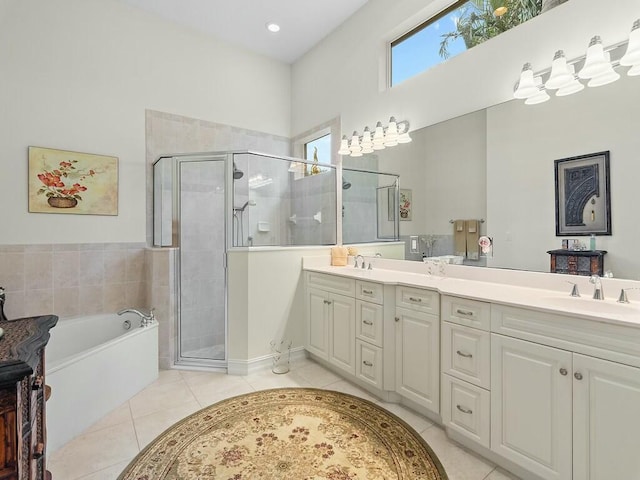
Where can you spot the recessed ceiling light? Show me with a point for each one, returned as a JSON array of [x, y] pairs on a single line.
[[273, 27]]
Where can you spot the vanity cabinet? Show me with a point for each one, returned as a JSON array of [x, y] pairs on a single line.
[[556, 409], [466, 367], [418, 346]]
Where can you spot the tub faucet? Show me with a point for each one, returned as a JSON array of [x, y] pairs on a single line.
[[145, 320], [598, 293]]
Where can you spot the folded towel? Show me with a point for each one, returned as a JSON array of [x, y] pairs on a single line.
[[459, 238], [473, 235], [339, 256]]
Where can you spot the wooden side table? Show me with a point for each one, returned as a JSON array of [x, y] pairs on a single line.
[[577, 262]]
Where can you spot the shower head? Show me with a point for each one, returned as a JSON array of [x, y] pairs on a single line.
[[346, 185], [247, 203], [237, 174]]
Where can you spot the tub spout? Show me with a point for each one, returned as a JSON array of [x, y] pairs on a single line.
[[145, 320]]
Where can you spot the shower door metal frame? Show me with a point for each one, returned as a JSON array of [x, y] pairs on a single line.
[[228, 183]]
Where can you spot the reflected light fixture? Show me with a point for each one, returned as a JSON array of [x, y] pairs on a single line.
[[395, 133], [273, 27]]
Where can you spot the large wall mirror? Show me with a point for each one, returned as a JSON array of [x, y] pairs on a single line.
[[497, 165]]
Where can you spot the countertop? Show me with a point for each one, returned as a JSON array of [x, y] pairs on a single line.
[[549, 301]]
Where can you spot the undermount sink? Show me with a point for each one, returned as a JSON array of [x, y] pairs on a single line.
[[590, 305]]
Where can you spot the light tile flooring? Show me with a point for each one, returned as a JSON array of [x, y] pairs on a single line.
[[104, 450]]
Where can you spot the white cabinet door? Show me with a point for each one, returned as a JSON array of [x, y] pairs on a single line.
[[418, 357], [531, 406], [606, 428], [318, 323], [342, 332]]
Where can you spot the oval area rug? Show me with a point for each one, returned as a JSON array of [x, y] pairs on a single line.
[[288, 433]]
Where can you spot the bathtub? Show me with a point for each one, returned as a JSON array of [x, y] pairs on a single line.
[[93, 365]]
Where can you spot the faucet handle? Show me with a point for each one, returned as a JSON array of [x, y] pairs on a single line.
[[622, 298], [574, 290]]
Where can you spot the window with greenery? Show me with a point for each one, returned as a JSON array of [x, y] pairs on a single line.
[[463, 25], [318, 150]]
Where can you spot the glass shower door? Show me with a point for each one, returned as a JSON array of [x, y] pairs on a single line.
[[202, 331]]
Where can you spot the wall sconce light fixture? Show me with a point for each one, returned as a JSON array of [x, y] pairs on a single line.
[[395, 133]]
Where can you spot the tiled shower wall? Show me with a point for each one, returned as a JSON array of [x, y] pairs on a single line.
[[72, 279]]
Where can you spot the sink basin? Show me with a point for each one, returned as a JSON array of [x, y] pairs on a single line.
[[591, 306]]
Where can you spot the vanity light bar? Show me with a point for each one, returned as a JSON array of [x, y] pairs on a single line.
[[394, 134], [597, 69]]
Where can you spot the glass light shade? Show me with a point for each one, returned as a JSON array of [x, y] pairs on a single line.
[[344, 146], [634, 71], [560, 74], [595, 63], [632, 55], [526, 86], [540, 97], [355, 147], [367, 141], [367, 149], [404, 138], [574, 87], [604, 79], [378, 137]]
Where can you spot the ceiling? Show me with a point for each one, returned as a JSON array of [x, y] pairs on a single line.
[[303, 23]]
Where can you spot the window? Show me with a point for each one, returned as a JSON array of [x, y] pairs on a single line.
[[465, 24], [318, 150]]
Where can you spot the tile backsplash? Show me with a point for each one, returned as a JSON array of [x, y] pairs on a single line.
[[73, 279]]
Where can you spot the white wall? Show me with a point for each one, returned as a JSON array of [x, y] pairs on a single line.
[[523, 142], [79, 74], [342, 75]]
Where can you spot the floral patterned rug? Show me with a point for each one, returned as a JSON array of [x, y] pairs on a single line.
[[288, 433]]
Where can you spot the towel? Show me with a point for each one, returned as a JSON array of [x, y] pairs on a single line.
[[459, 238], [473, 235], [339, 256]]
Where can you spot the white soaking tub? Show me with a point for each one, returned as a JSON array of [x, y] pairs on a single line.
[[93, 365]]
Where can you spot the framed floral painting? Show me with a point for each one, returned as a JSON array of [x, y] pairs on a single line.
[[61, 181], [405, 204]]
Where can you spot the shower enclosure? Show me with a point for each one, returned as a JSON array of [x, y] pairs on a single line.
[[208, 203]]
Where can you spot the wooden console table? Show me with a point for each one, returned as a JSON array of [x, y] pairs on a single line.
[[577, 262]]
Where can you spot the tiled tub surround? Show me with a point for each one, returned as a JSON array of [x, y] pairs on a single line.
[[73, 279]]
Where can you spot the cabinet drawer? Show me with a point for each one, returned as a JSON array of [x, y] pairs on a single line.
[[418, 299], [332, 283], [466, 354], [369, 322], [464, 311], [371, 292], [466, 409], [369, 363]]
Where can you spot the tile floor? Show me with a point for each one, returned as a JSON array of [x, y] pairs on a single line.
[[104, 450]]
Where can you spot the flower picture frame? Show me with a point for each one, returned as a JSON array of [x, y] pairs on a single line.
[[405, 204], [62, 181]]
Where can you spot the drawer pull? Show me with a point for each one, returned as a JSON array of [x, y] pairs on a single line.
[[563, 371], [367, 292], [368, 364], [367, 322], [464, 354], [468, 411], [466, 313], [37, 382], [38, 451], [414, 299], [327, 302], [397, 319], [578, 376]]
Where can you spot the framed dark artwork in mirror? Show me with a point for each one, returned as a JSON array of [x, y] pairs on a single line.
[[583, 198]]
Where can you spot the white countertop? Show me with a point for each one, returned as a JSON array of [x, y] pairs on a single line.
[[511, 294]]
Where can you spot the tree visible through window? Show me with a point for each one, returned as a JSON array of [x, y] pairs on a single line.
[[462, 26], [318, 150]]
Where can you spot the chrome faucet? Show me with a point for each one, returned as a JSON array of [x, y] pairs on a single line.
[[355, 263], [145, 320], [598, 292]]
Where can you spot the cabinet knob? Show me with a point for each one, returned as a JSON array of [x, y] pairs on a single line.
[[563, 371], [368, 364], [468, 411], [397, 319], [578, 376]]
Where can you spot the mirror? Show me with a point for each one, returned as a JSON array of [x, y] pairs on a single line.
[[497, 164]]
